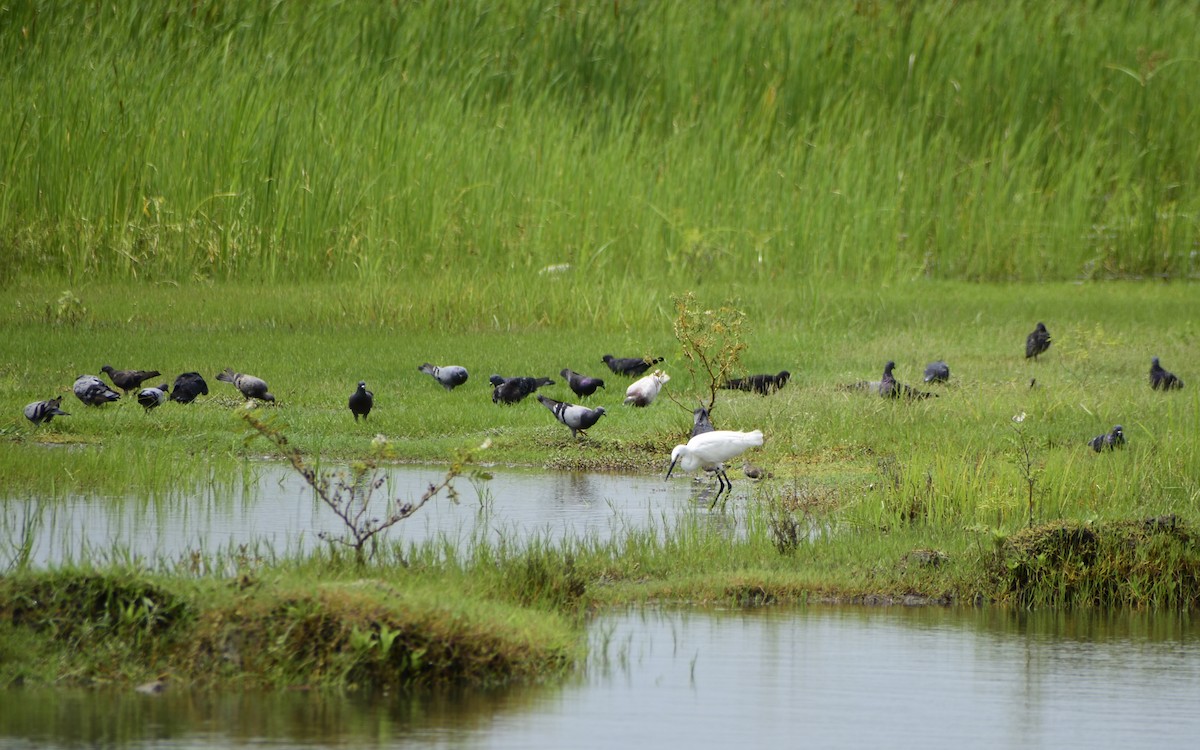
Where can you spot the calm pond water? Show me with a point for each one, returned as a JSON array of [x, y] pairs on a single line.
[[817, 676], [271, 505]]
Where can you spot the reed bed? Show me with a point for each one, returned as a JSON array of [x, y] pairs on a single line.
[[359, 140]]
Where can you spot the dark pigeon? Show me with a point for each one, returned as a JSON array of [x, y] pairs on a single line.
[[937, 372], [361, 401], [1161, 379], [631, 366], [581, 385], [152, 398], [700, 422], [250, 386], [1037, 342], [128, 380], [887, 386], [1114, 439], [760, 384], [578, 418], [512, 390], [41, 412], [188, 386], [450, 376], [92, 391]]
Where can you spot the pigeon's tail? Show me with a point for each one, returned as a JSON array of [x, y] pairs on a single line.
[[428, 369], [228, 376]]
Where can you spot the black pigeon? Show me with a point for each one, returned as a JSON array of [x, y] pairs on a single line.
[[188, 386], [41, 412], [581, 385], [92, 391], [450, 376], [152, 398], [700, 422], [250, 386], [128, 380], [1037, 342], [760, 384], [511, 390], [361, 401], [631, 366], [1161, 379], [937, 372], [578, 418], [888, 387], [1114, 439]]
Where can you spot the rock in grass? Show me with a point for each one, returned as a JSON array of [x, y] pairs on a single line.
[[42, 412], [644, 390], [630, 366], [578, 418], [1037, 342], [188, 386], [1114, 439], [92, 391], [450, 376], [581, 385], [512, 390], [760, 384], [248, 385], [1161, 379], [128, 380], [361, 401], [152, 398], [937, 372]]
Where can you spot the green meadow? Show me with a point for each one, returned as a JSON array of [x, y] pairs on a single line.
[[324, 193]]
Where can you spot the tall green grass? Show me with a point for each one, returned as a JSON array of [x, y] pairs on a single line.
[[473, 142]]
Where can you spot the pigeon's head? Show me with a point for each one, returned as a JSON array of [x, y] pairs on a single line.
[[1041, 327], [1118, 431], [496, 380], [599, 411], [565, 372], [1154, 362], [362, 385], [107, 368], [782, 377], [887, 369]]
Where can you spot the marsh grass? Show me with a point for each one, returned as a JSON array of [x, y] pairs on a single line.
[[364, 140]]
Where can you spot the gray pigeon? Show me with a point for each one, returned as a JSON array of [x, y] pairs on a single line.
[[631, 366], [578, 418], [250, 386], [1114, 439], [511, 390], [1037, 342], [152, 398], [1161, 379], [937, 372], [188, 386], [361, 401], [128, 380], [450, 376], [760, 384], [92, 391], [700, 422], [41, 412], [887, 386], [581, 385]]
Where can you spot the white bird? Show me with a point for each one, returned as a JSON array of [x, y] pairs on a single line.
[[710, 451], [645, 390]]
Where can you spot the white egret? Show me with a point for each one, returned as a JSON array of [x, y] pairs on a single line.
[[710, 451]]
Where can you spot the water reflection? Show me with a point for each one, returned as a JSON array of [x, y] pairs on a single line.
[[271, 506], [817, 676]]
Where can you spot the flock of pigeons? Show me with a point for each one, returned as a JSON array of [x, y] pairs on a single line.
[[707, 448]]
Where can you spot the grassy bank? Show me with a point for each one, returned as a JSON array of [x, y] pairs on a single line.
[[229, 139]]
